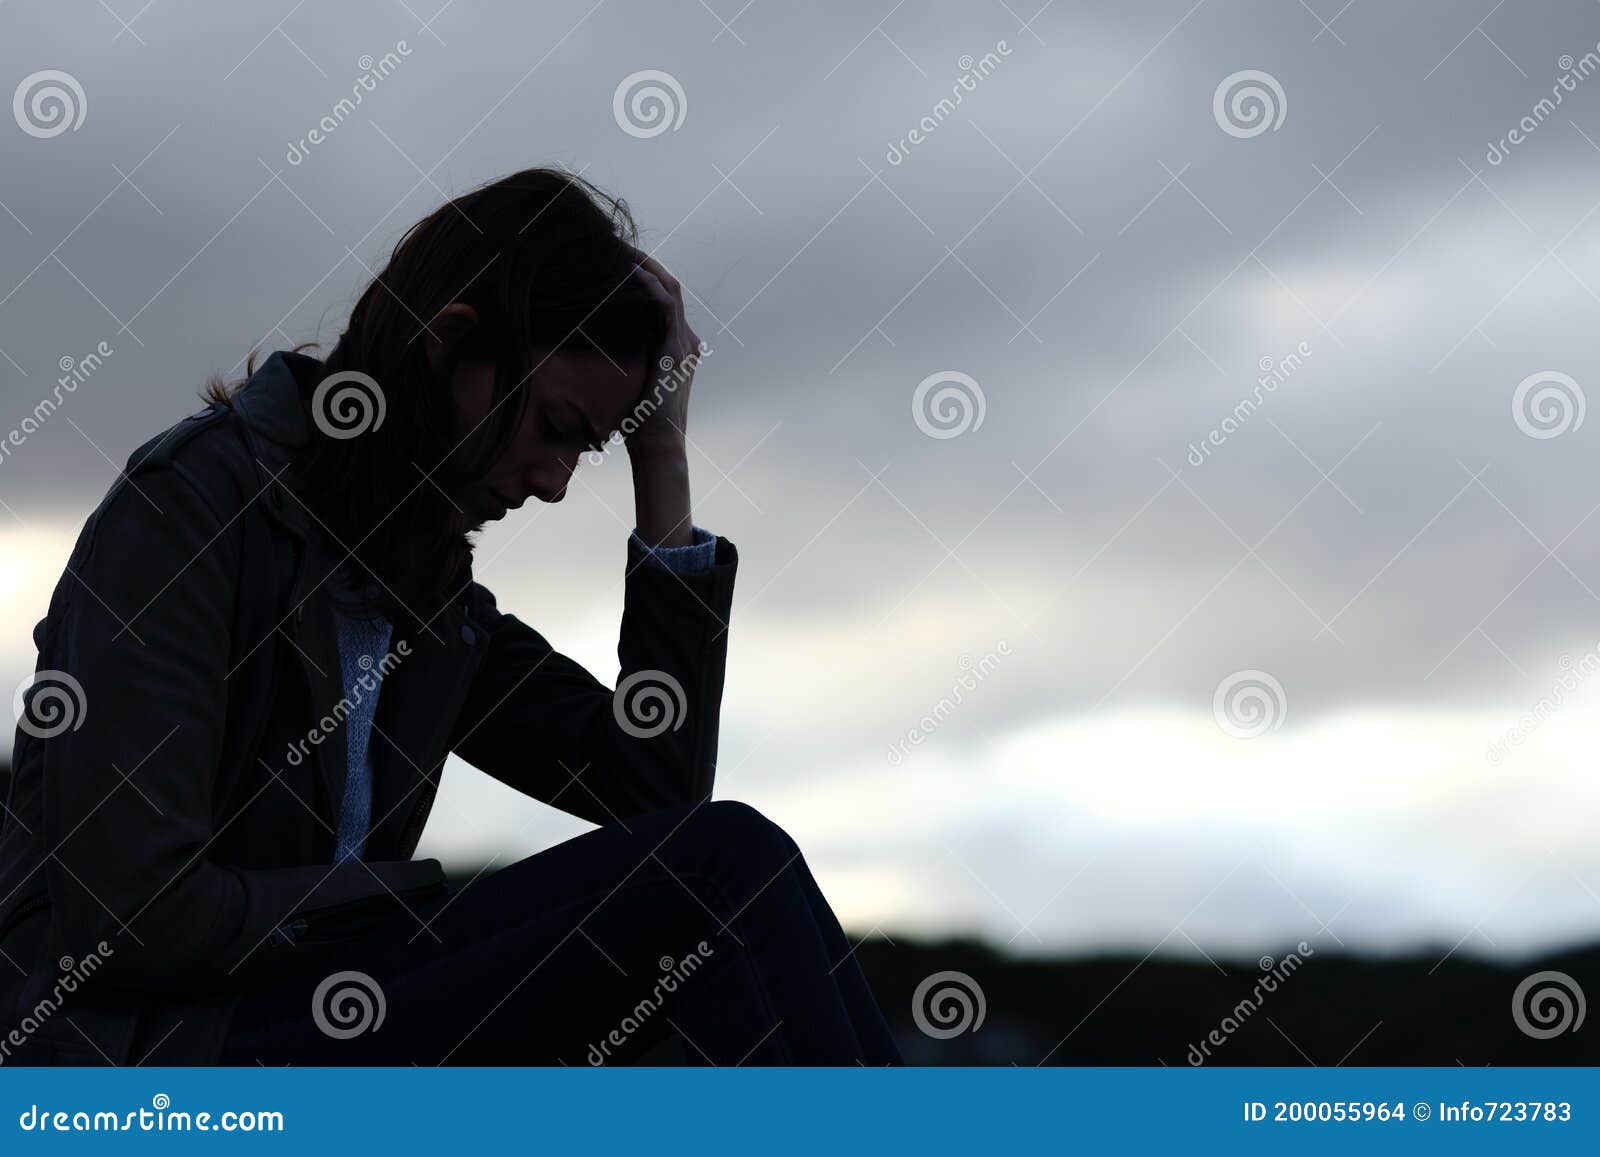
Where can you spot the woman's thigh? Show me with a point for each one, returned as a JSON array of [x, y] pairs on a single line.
[[583, 953]]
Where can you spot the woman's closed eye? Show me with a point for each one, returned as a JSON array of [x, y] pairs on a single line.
[[550, 431], [568, 432]]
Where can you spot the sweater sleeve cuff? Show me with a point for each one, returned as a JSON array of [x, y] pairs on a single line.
[[695, 558]]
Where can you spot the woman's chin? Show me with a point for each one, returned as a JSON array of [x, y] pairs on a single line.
[[475, 509]]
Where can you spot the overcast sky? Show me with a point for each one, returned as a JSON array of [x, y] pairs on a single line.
[[1109, 249]]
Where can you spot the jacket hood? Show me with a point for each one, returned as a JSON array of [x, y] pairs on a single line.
[[271, 402]]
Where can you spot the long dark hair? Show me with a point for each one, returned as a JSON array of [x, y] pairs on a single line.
[[545, 258]]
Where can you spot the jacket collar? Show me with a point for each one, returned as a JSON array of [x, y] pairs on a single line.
[[421, 695], [271, 401], [271, 413], [271, 407]]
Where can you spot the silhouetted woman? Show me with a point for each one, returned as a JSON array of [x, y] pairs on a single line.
[[269, 638]]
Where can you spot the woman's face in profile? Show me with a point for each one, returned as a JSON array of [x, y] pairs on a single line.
[[573, 403]]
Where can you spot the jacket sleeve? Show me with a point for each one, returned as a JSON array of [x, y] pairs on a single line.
[[538, 721], [142, 630]]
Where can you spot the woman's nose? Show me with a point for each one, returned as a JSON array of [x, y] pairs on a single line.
[[550, 481]]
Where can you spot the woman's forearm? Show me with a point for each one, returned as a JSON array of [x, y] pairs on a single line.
[[662, 512]]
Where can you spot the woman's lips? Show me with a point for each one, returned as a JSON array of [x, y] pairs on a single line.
[[487, 505], [493, 503], [505, 502]]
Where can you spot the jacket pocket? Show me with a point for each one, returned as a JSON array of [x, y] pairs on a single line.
[[354, 917]]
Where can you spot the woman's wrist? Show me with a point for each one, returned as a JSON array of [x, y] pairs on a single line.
[[662, 512]]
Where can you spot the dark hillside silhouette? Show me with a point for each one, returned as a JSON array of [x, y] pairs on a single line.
[[1337, 1008], [1110, 1010]]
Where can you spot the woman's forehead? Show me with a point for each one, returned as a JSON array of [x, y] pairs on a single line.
[[602, 389]]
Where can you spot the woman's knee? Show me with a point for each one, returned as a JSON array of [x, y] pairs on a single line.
[[753, 840]]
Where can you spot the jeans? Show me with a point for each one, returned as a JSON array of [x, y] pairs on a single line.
[[699, 925]]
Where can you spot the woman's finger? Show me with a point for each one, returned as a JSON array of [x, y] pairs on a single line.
[[680, 339], [673, 286], [654, 285], [658, 269], [663, 293], [669, 303]]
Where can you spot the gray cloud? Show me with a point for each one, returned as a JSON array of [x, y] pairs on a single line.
[[1105, 345]]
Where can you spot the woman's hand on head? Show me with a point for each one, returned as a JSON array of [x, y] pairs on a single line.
[[667, 383], [658, 448]]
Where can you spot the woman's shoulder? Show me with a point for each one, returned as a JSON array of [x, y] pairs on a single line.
[[207, 452]]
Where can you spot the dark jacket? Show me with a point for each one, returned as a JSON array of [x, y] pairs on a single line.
[[185, 822]]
